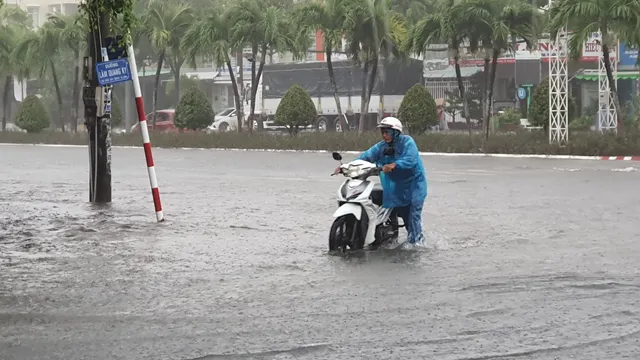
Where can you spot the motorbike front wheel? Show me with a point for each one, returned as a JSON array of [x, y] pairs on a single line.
[[345, 233]]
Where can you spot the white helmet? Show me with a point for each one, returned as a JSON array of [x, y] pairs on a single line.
[[390, 122]]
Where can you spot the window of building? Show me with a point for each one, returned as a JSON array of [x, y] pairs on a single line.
[[33, 12], [55, 9], [208, 62], [70, 8]]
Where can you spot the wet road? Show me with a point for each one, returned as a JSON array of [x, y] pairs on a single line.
[[527, 259]]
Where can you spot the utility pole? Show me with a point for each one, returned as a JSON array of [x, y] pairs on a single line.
[[97, 104]]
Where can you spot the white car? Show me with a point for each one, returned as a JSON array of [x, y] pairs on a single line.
[[14, 128], [225, 120]]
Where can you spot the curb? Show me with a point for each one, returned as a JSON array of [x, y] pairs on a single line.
[[512, 156], [623, 158]]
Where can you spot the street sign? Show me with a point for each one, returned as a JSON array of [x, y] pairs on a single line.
[[113, 72], [522, 93]]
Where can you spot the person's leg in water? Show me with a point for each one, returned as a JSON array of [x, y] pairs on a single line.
[[393, 220], [413, 223], [403, 213]]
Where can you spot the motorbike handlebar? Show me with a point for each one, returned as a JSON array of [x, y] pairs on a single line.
[[374, 171]]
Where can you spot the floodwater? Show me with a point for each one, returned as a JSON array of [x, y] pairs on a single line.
[[527, 259]]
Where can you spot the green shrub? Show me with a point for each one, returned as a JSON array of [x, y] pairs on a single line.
[[539, 110], [510, 116], [193, 111], [296, 109], [584, 122], [418, 110], [32, 116]]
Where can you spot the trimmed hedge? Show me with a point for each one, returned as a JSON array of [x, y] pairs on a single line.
[[193, 111], [32, 115], [539, 111], [587, 143], [417, 110], [296, 109]]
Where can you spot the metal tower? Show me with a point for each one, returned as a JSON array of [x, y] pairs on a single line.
[[607, 114], [558, 88]]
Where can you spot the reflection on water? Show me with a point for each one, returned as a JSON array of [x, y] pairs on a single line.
[[526, 260]]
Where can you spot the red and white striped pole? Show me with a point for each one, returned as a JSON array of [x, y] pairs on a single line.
[[146, 142]]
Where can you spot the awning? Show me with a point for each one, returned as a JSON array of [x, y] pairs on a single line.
[[203, 75], [450, 72], [622, 75]]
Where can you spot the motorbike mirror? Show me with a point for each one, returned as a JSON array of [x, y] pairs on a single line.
[[389, 151], [337, 156]]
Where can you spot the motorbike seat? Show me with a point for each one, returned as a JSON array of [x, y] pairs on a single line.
[[376, 196]]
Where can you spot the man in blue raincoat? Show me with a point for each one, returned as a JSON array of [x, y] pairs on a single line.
[[403, 180]]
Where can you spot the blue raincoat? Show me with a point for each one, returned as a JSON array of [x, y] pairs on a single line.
[[404, 188]]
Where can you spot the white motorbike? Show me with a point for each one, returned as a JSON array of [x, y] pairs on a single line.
[[360, 219]]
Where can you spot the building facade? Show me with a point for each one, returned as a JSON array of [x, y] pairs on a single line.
[[39, 10]]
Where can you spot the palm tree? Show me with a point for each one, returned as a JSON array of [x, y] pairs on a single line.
[[614, 19], [166, 23], [38, 51], [373, 31], [415, 10], [71, 32], [500, 23], [443, 26], [329, 17], [12, 28], [211, 36], [263, 29]]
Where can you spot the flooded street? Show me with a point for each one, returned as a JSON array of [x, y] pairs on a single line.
[[526, 259]]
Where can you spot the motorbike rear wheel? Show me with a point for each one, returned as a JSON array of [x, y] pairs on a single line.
[[345, 233]]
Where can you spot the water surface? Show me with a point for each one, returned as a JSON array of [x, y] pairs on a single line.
[[527, 259]]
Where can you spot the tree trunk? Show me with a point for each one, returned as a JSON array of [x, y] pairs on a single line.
[[381, 79], [485, 85], [254, 89], [463, 94], [75, 108], [240, 86], [236, 92], [58, 95], [494, 66], [252, 99], [5, 102], [176, 78], [372, 80], [332, 78], [363, 97], [154, 105], [612, 85]]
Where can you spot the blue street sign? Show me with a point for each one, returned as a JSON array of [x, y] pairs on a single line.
[[113, 72], [522, 93]]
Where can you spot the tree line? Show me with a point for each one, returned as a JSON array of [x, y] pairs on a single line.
[[180, 33]]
